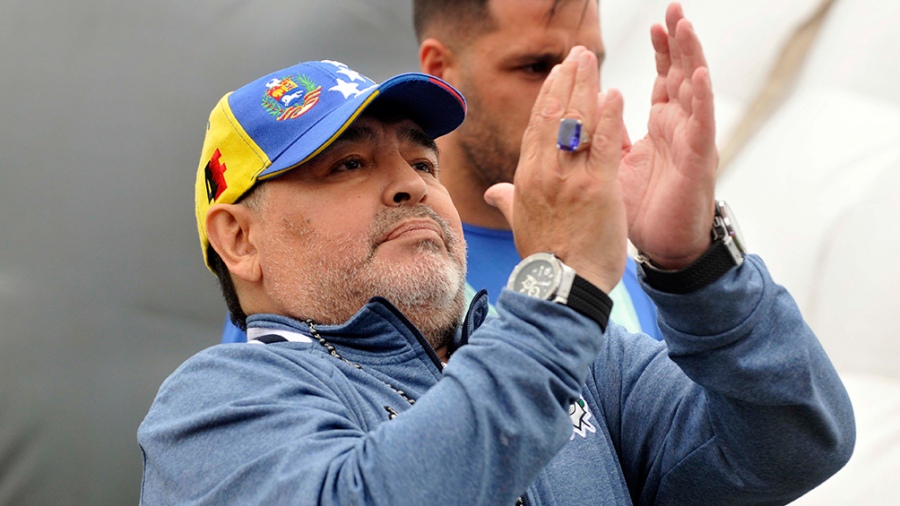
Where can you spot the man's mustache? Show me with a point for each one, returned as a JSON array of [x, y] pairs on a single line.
[[388, 218]]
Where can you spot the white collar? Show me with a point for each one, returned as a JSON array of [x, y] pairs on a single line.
[[255, 333]]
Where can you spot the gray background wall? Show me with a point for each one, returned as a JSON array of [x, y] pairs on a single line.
[[103, 291]]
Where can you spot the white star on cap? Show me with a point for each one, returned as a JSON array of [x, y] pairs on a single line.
[[346, 89], [352, 74], [335, 63]]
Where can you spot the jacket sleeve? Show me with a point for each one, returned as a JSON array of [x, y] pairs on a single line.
[[241, 424], [743, 406]]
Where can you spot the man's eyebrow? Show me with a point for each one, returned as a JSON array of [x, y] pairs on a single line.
[[417, 136], [352, 134], [539, 56], [355, 134], [552, 57]]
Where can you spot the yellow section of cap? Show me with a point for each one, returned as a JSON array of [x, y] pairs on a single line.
[[229, 155]]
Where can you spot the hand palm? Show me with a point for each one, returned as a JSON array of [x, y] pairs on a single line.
[[670, 173]]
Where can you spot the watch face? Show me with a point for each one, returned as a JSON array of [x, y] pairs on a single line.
[[538, 278]]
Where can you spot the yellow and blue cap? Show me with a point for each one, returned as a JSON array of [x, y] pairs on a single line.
[[282, 120]]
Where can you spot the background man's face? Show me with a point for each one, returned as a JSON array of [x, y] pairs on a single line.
[[501, 72], [367, 217]]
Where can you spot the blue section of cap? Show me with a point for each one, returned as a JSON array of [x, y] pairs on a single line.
[[335, 95], [432, 103], [259, 112]]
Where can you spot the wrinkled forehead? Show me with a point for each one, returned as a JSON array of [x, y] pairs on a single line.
[[568, 14], [542, 26], [571, 21]]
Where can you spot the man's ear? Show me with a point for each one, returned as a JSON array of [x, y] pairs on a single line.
[[228, 227], [435, 58]]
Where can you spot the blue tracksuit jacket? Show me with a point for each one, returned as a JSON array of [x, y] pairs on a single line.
[[739, 406]]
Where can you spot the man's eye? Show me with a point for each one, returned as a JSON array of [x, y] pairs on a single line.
[[541, 67], [425, 167], [349, 164]]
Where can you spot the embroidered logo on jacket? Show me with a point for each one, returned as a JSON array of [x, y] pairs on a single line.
[[580, 413]]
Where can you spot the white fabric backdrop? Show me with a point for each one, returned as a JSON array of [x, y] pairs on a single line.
[[816, 190]]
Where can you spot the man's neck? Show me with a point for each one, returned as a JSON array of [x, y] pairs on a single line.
[[467, 190]]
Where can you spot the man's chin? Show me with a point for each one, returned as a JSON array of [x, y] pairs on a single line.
[[429, 264]]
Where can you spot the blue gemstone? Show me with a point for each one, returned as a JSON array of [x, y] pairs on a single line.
[[569, 137]]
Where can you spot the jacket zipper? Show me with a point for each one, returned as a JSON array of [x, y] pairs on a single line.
[[429, 350]]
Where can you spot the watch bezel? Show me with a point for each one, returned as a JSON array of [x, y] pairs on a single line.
[[567, 289], [561, 282]]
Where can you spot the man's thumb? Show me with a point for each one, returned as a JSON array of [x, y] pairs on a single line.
[[501, 196]]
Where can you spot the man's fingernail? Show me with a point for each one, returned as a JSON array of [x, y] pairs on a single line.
[[584, 59]]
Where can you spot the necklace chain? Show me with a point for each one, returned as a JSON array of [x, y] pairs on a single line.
[[334, 353]]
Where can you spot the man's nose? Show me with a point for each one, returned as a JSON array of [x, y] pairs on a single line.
[[406, 186]]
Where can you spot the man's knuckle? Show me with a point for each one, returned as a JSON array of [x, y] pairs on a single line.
[[551, 108]]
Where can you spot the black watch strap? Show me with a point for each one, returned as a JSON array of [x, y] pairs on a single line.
[[590, 301], [715, 262]]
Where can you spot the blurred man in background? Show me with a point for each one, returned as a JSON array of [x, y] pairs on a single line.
[[498, 53]]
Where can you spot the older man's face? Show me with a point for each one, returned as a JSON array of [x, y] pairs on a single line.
[[366, 217]]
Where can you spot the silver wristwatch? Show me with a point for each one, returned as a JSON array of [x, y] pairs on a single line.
[[544, 276], [726, 251], [726, 229]]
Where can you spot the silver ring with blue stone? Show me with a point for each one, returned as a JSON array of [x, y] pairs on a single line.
[[571, 136]]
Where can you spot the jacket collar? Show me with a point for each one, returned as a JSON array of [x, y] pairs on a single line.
[[372, 330]]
